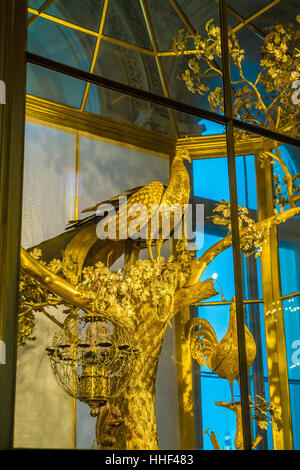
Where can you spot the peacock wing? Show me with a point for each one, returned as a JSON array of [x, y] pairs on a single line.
[[135, 215]]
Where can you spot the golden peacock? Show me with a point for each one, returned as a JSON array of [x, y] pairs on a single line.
[[220, 357], [80, 245]]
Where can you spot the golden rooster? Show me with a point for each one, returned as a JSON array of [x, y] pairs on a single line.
[[220, 357], [81, 243]]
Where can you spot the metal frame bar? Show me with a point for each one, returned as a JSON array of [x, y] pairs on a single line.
[[160, 100], [62, 22], [96, 52], [41, 12], [243, 374], [289, 296], [13, 29]]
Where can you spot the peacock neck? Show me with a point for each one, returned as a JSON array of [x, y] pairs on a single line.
[[178, 171], [178, 190]]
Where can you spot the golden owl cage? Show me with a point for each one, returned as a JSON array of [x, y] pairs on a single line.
[[196, 345]]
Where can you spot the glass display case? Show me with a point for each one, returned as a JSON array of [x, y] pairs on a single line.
[[149, 342]]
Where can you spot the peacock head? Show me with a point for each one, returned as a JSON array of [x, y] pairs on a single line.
[[183, 155]]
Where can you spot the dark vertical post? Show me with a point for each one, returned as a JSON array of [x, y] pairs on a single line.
[[13, 26], [235, 229]]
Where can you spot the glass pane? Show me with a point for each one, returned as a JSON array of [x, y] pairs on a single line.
[[165, 22], [129, 67], [265, 70], [190, 127], [188, 68], [112, 168], [193, 66], [124, 108], [218, 413], [281, 12], [117, 167], [277, 193], [54, 86], [44, 414], [286, 171], [85, 14], [258, 375], [36, 4], [247, 9], [210, 187], [125, 21], [62, 44], [176, 68]]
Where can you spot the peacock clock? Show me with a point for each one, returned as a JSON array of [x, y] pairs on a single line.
[[109, 345]]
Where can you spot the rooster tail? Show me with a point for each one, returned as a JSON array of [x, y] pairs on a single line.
[[203, 340]]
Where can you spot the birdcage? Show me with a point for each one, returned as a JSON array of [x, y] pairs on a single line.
[[92, 359]]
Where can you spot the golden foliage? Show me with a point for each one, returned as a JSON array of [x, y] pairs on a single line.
[[265, 100], [254, 238], [139, 287]]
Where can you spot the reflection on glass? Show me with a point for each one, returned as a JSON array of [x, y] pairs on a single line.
[[125, 21], [35, 3], [194, 75], [62, 44], [108, 169], [165, 22], [54, 86], [264, 72], [124, 108], [129, 67], [176, 68], [247, 9], [86, 14], [246, 197], [258, 374], [44, 416], [282, 12], [210, 127], [191, 126]]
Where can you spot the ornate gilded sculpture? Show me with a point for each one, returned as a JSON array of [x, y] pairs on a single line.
[[81, 243], [147, 325], [167, 288], [142, 298]]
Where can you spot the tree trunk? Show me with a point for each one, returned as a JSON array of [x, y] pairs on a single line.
[[137, 403]]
